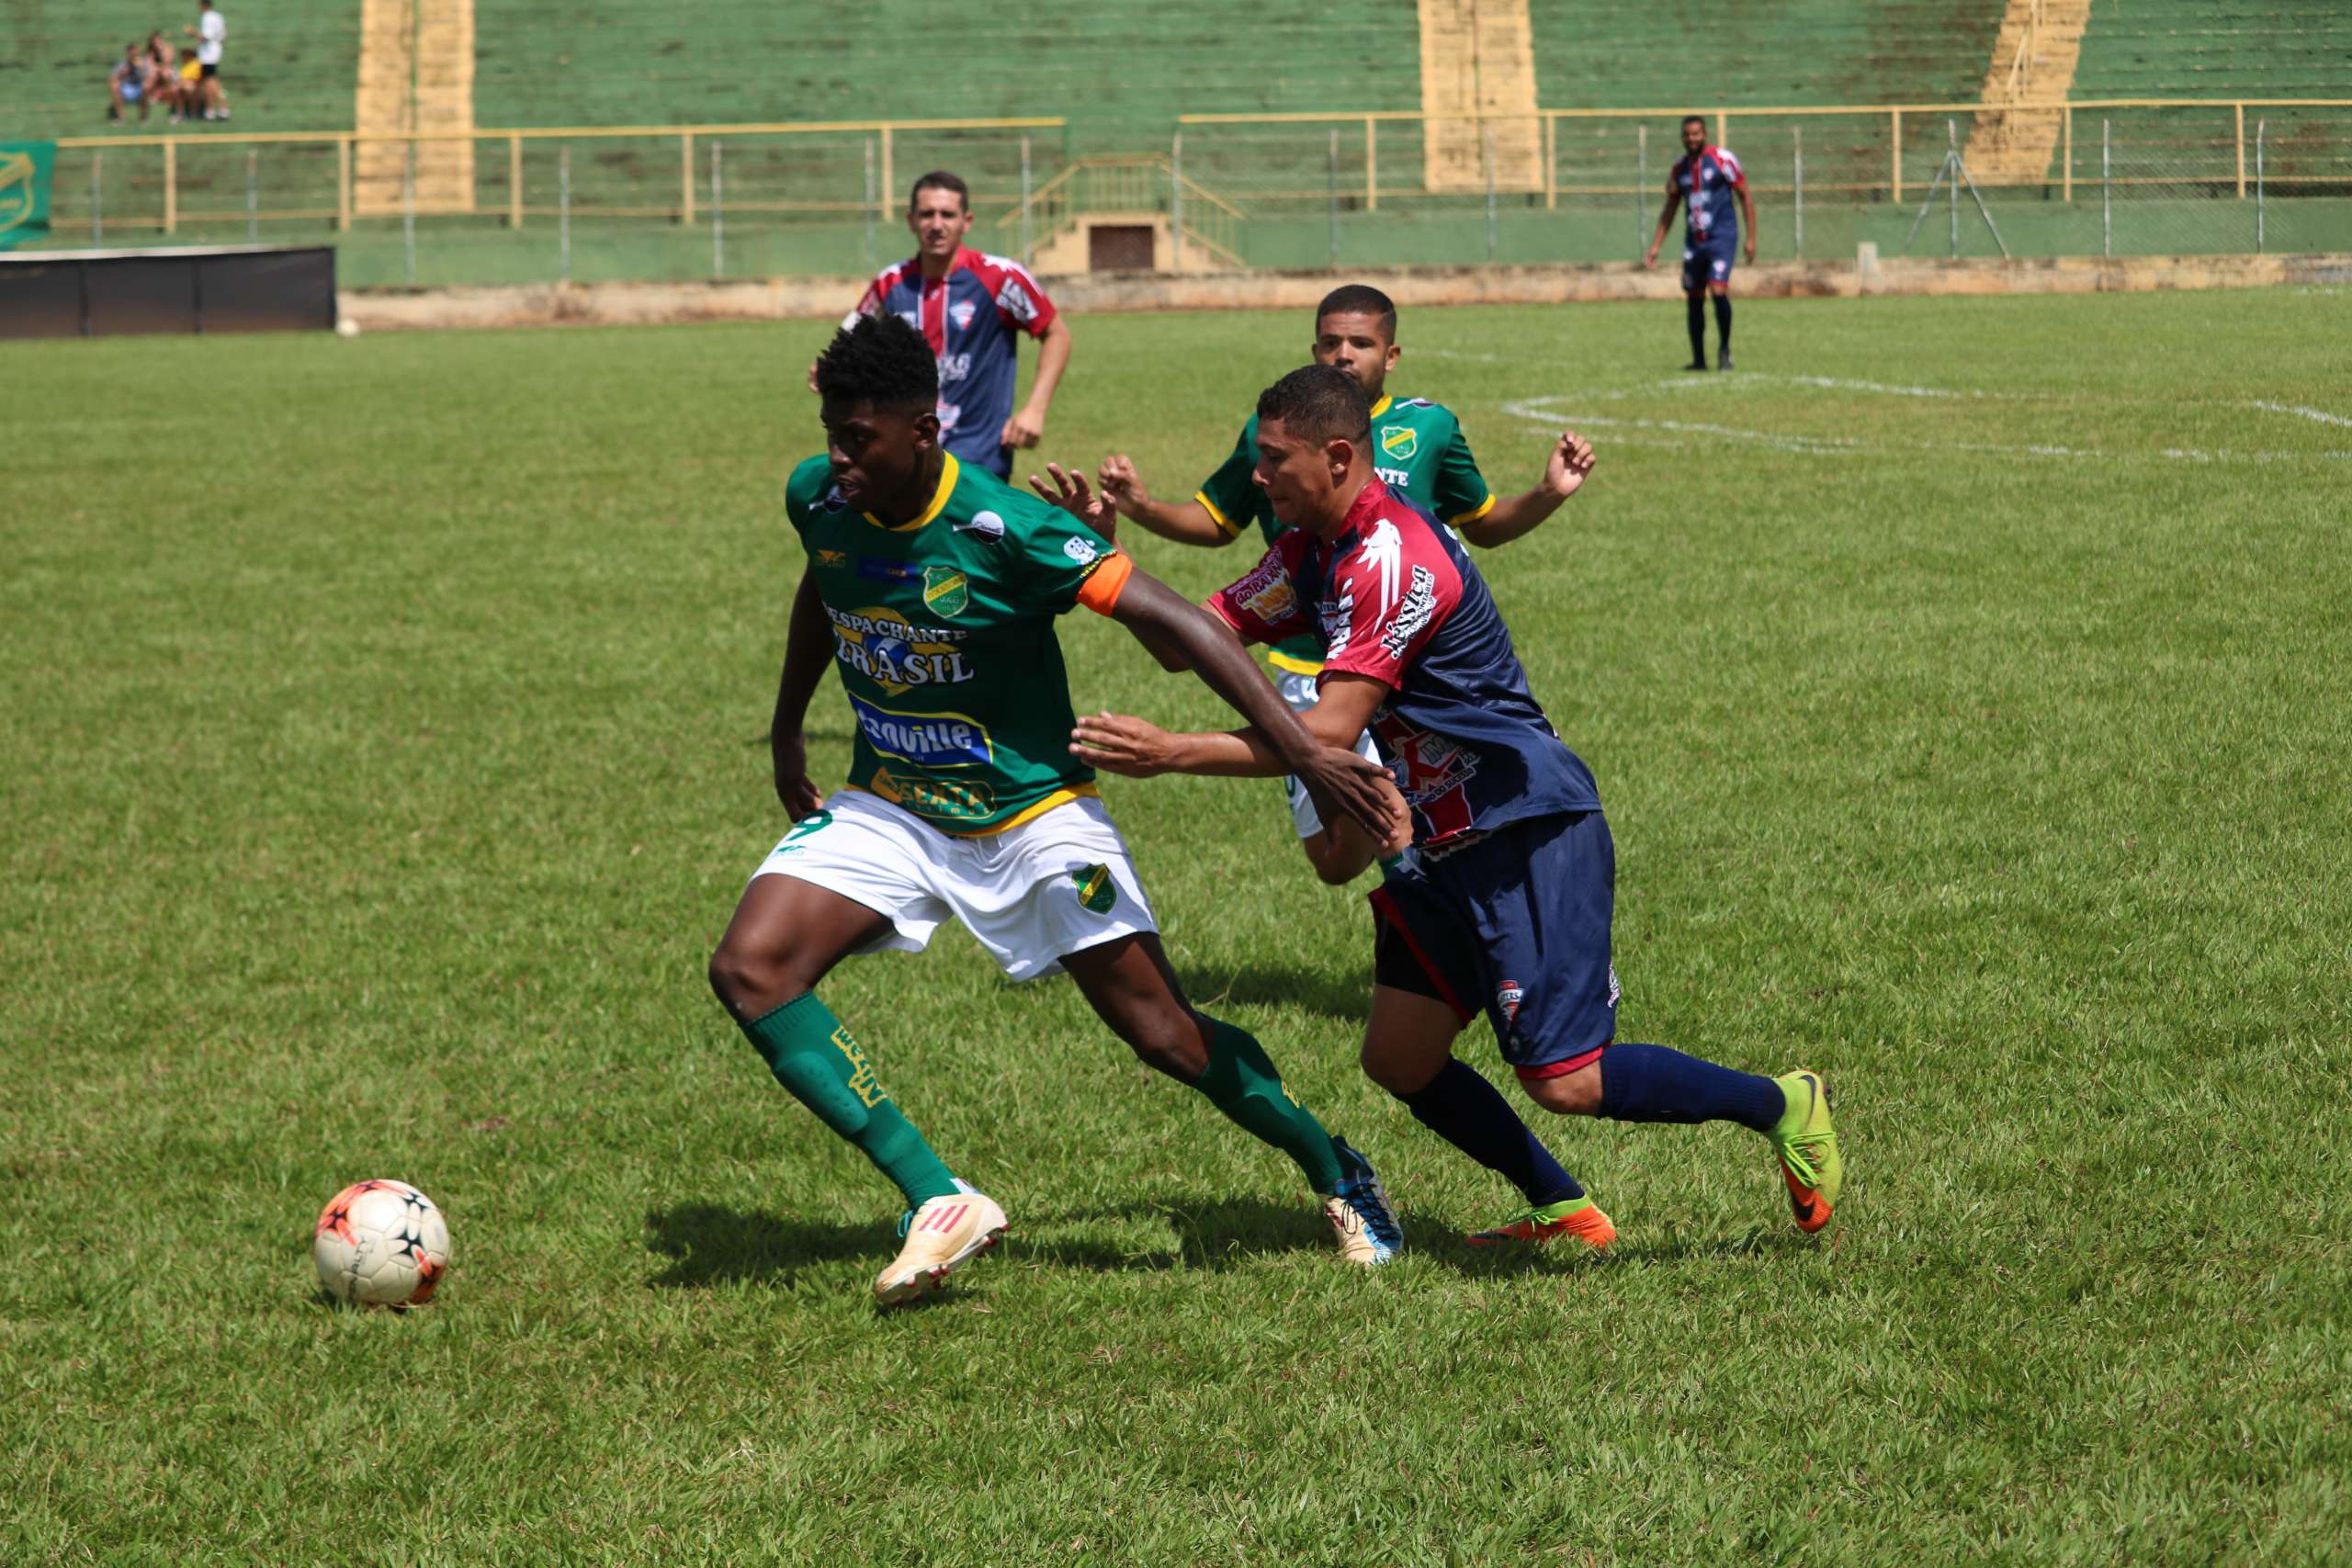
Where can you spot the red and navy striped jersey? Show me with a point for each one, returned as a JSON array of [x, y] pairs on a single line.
[[968, 318], [1705, 180], [1395, 597]]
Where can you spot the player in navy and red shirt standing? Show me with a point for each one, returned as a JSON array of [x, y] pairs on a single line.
[[1703, 182], [968, 305], [1504, 905]]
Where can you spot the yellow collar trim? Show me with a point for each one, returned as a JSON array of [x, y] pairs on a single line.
[[1381, 406], [948, 470]]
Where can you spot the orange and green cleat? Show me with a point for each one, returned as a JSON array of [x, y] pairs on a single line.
[[1807, 1148], [1578, 1217]]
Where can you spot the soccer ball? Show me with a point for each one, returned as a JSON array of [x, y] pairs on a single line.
[[381, 1243]]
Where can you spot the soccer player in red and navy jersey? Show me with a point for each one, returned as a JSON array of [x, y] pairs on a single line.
[[1705, 181], [1504, 904], [968, 306]]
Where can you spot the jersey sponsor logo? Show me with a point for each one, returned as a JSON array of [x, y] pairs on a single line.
[[1080, 550], [1395, 479], [1508, 995], [1339, 614], [949, 413], [1614, 989], [1433, 767], [873, 569], [926, 740], [1015, 301], [1421, 603], [961, 313], [882, 646], [955, 367], [944, 799], [987, 524], [944, 590], [1096, 891], [1399, 441], [1272, 600]]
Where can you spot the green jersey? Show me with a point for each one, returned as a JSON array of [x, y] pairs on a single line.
[[942, 629], [1417, 448]]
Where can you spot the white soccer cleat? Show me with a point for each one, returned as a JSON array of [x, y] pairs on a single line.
[[942, 1235]]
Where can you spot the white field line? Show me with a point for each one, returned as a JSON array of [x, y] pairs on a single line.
[[1550, 414], [2318, 415]]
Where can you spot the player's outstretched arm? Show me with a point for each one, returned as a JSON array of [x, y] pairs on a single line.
[[1277, 741], [1565, 469], [1186, 522], [1027, 425], [808, 650], [1748, 210]]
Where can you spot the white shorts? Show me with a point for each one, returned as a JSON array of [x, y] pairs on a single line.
[[1058, 883], [1301, 693]]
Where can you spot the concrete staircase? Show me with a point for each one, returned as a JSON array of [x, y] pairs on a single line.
[[1478, 57], [416, 74], [2033, 61]]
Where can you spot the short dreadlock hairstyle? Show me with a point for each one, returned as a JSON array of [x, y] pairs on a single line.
[[1319, 403], [879, 359], [1360, 299]]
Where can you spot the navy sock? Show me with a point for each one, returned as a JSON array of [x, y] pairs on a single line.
[[1698, 304], [1653, 1083], [1467, 1112], [1722, 320]]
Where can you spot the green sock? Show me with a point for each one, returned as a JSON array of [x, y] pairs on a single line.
[[812, 1054], [1241, 1082]]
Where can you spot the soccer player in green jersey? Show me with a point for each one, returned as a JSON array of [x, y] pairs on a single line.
[[931, 587], [1419, 450]]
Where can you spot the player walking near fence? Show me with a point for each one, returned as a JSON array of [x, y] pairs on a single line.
[[932, 587], [1506, 904], [1420, 452], [968, 305], [1703, 181]]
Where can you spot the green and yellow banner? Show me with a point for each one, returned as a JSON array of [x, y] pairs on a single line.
[[25, 168]]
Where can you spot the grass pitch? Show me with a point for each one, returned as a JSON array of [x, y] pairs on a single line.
[[1971, 685]]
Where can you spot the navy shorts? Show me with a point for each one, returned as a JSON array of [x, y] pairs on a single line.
[[1708, 264], [1516, 924]]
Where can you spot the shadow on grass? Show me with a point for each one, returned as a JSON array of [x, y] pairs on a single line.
[[1347, 1000], [707, 1243]]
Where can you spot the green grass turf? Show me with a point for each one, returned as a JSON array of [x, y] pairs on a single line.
[[383, 755]]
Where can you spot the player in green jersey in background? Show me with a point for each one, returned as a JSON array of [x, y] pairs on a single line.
[[1418, 449], [931, 587]]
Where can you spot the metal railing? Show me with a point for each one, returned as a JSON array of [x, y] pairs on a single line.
[[1302, 189]]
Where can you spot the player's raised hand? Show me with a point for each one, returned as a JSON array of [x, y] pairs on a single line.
[[1122, 484], [1075, 496], [800, 797], [1572, 459], [1117, 743]]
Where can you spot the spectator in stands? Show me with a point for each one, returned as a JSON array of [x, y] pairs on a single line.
[[161, 61], [968, 306], [190, 77], [209, 31], [127, 84]]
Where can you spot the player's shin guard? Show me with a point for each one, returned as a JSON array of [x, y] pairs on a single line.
[[1653, 1083], [1241, 1081], [1460, 1106], [813, 1056], [1697, 304]]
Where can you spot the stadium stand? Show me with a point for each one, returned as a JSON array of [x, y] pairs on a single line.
[[2216, 48], [288, 66]]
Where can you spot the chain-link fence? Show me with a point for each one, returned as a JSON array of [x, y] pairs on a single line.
[[1226, 191]]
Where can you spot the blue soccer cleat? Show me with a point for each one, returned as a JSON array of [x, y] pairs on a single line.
[[1359, 1212]]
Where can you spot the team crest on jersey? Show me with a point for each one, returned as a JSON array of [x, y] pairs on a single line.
[[962, 311], [1399, 441], [944, 590], [1096, 891]]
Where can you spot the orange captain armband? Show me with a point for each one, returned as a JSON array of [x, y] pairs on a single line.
[[1100, 592]]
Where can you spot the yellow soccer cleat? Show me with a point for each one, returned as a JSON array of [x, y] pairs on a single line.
[[1807, 1147], [941, 1236]]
